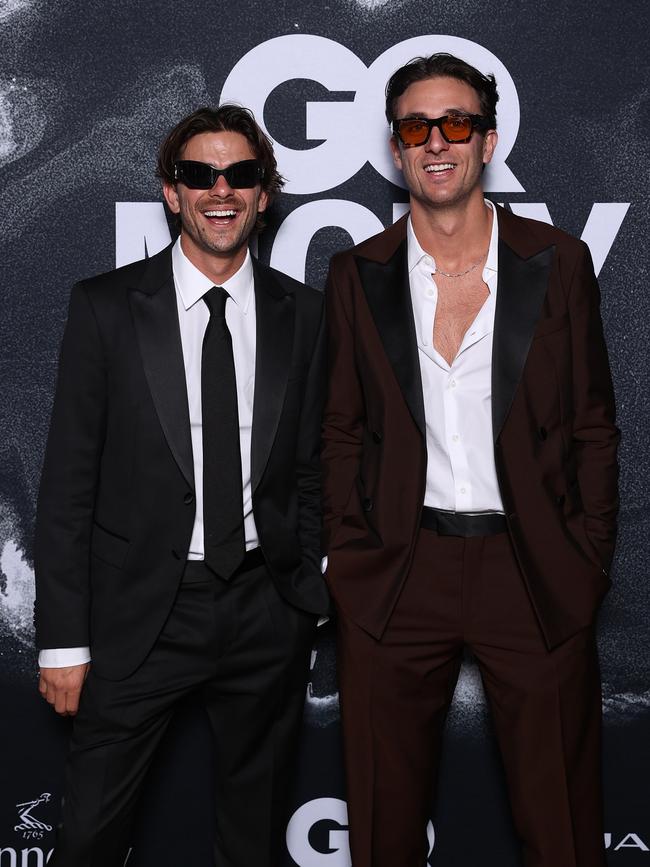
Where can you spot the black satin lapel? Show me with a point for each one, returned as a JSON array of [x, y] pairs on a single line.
[[386, 287], [275, 322], [522, 285], [156, 323]]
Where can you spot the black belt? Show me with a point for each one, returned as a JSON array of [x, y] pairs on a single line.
[[196, 571], [462, 523]]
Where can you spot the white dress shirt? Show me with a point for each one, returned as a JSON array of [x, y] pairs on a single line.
[[461, 473], [193, 316]]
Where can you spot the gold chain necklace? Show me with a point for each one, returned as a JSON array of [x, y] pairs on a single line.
[[462, 273]]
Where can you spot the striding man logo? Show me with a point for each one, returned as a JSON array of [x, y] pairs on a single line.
[[29, 822]]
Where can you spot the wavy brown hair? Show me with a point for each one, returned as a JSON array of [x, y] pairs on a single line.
[[226, 118], [443, 65]]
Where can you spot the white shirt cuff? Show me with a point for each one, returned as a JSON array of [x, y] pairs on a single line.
[[62, 657], [323, 569]]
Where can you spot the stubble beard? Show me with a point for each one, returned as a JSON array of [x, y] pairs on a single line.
[[212, 244]]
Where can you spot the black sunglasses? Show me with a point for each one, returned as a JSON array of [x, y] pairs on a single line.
[[454, 128], [202, 176]]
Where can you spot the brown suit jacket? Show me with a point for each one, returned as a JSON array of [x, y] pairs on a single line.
[[555, 439]]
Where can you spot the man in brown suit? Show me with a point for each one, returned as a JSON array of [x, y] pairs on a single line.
[[470, 488]]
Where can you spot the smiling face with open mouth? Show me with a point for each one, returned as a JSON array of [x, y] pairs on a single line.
[[216, 223], [439, 173]]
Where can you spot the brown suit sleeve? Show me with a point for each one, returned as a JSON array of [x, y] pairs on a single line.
[[595, 435], [344, 415]]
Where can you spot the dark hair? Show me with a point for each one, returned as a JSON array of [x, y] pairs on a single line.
[[226, 118], [443, 65]]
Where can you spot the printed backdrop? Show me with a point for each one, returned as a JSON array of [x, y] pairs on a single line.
[[88, 89]]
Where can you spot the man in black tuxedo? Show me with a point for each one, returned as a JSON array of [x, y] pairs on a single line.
[[178, 526]]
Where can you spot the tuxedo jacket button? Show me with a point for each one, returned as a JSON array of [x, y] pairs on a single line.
[[377, 436], [366, 504], [188, 499]]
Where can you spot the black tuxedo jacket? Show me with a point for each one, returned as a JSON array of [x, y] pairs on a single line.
[[555, 439], [116, 504]]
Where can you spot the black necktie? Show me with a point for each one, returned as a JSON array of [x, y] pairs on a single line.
[[223, 511]]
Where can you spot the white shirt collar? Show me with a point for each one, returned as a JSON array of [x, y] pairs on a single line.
[[192, 284], [416, 253]]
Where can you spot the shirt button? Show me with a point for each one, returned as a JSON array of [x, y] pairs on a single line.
[[452, 384], [429, 292], [463, 491], [455, 438]]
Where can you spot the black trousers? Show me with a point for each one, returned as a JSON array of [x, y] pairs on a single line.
[[247, 652]]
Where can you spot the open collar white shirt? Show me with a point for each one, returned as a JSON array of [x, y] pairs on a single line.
[[461, 472]]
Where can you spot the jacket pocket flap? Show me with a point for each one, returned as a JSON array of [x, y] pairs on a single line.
[[108, 547]]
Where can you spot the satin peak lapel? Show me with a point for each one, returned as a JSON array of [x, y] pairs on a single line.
[[522, 285], [386, 287], [156, 322], [275, 322]]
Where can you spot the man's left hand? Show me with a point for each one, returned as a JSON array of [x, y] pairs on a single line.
[[61, 687]]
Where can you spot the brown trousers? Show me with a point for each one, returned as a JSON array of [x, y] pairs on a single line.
[[546, 707]]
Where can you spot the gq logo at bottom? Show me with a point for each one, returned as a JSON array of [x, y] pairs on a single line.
[[317, 835]]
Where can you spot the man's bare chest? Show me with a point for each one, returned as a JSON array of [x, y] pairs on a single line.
[[459, 302]]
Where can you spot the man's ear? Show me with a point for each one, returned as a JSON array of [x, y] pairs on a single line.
[[395, 151], [263, 202], [490, 140], [171, 197]]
